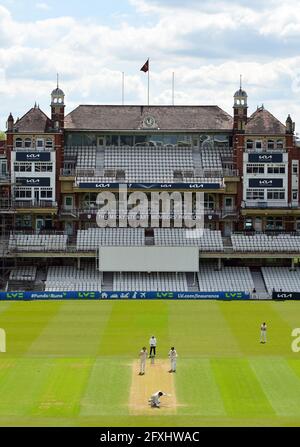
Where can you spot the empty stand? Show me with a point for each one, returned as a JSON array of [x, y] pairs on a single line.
[[206, 240], [265, 243], [37, 242], [231, 279], [281, 278], [92, 238], [25, 273], [66, 278], [150, 282]]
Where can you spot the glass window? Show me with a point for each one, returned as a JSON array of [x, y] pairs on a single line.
[[255, 194], [279, 144], [280, 169], [46, 193], [27, 142], [43, 167], [209, 201], [69, 201], [115, 140], [271, 144], [255, 168], [126, 140], [22, 167], [49, 143], [249, 144], [23, 193], [228, 202], [40, 143], [19, 142]]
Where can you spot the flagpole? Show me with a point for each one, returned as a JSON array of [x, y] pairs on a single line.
[[148, 81], [123, 83], [173, 84]]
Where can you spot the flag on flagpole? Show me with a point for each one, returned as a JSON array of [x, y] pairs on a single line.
[[145, 67]]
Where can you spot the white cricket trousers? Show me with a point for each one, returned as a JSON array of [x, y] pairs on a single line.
[[173, 364], [142, 366], [263, 336]]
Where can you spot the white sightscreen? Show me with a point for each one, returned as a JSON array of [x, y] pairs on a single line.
[[148, 259]]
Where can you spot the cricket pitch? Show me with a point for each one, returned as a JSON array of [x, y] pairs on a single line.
[[156, 378]]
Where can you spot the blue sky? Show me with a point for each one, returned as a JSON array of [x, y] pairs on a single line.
[[207, 44]]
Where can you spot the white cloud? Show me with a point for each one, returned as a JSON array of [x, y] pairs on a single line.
[[208, 44], [43, 6]]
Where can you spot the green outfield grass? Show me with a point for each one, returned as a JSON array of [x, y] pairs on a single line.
[[69, 363]]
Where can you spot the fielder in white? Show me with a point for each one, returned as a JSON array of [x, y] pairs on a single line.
[[143, 356], [154, 400], [173, 358], [263, 333]]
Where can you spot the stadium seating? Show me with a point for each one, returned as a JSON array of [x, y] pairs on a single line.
[[92, 238], [265, 243], [66, 278], [37, 242], [150, 282], [281, 278], [85, 156], [206, 239], [235, 279], [25, 273]]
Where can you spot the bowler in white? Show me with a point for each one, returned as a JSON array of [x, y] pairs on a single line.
[[143, 356]]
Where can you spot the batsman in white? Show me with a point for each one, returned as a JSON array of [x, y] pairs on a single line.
[[154, 400], [173, 358]]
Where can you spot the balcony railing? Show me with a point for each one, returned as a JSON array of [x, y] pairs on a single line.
[[34, 204], [269, 204], [5, 178], [33, 149], [264, 150]]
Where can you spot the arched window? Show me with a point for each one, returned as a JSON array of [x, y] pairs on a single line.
[[27, 142], [19, 142], [279, 144]]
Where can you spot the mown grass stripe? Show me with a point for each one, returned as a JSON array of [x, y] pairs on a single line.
[[242, 394], [128, 330], [24, 322], [20, 385], [200, 330], [280, 384], [107, 390], [75, 330], [245, 319], [197, 390], [63, 388]]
